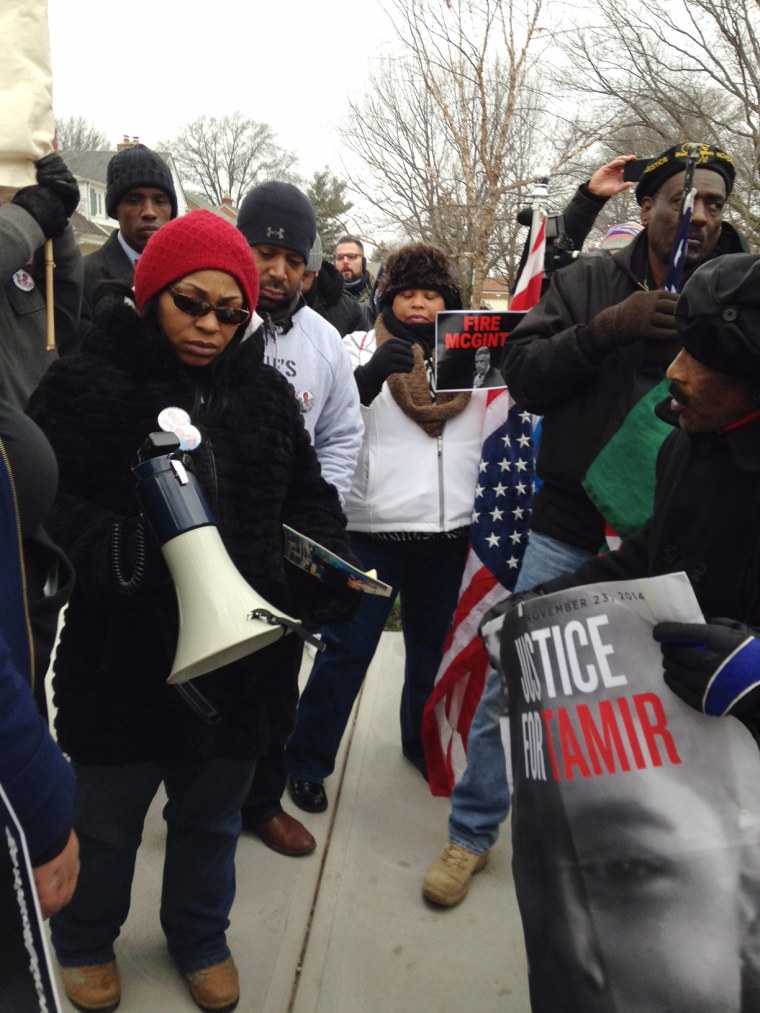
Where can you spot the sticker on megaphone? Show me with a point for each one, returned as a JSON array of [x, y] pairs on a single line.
[[189, 437], [170, 418]]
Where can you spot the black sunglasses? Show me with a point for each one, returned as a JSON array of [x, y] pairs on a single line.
[[199, 308]]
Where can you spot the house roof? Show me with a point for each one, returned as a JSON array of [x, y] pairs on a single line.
[[497, 286], [85, 228], [197, 201], [94, 164]]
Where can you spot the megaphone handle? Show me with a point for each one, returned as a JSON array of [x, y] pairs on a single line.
[[265, 616], [200, 704]]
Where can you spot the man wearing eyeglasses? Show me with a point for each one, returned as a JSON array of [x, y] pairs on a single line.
[[352, 264], [279, 224]]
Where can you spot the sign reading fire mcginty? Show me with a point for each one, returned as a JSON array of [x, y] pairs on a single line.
[[469, 348]]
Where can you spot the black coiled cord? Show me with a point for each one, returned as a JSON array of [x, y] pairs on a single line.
[[127, 585]]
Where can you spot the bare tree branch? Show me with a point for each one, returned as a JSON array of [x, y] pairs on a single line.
[[228, 155], [75, 133]]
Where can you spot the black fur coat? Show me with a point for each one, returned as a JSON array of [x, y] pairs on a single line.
[[258, 470]]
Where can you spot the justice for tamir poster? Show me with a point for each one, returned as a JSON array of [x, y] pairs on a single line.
[[635, 820]]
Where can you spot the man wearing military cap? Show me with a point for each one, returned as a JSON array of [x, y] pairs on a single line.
[[601, 339], [706, 517], [589, 358]]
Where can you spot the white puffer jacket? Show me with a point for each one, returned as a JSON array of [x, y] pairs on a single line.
[[406, 480]]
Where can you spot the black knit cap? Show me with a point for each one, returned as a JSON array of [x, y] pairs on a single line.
[[718, 315], [674, 160], [133, 167], [419, 266], [278, 214]]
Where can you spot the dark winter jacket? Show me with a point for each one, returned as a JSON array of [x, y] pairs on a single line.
[[47, 574], [109, 263], [361, 288], [706, 522], [554, 368], [35, 776], [24, 356], [258, 470], [329, 298]]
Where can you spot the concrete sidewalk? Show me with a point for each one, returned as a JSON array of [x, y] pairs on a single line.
[[345, 930]]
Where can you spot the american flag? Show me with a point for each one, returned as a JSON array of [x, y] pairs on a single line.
[[498, 535], [680, 243], [497, 541], [528, 290]]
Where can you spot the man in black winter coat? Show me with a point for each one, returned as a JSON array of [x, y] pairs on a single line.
[[140, 195], [596, 345], [706, 518], [323, 288], [598, 341]]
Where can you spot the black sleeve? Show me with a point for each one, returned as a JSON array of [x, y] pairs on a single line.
[[580, 215]]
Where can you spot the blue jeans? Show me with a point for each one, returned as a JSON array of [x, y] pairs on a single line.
[[480, 800], [427, 574], [203, 824]]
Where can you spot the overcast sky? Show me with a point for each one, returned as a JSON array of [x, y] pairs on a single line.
[[145, 67]]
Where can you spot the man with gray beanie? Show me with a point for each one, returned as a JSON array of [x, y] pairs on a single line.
[[280, 226], [140, 195]]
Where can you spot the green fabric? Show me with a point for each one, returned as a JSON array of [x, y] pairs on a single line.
[[620, 481]]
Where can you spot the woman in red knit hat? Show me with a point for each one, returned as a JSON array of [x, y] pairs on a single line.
[[181, 344]]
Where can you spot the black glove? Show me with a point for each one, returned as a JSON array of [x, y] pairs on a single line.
[[323, 600], [336, 601], [642, 316], [396, 355], [714, 667], [53, 173], [45, 206]]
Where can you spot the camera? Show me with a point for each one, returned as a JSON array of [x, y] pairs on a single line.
[[560, 249]]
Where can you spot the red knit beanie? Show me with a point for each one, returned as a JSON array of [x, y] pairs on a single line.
[[198, 241]]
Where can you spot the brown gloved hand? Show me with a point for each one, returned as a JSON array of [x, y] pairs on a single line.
[[641, 316]]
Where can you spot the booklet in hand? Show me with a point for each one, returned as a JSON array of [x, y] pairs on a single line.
[[319, 562]]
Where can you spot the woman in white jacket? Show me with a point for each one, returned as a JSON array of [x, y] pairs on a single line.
[[409, 510]]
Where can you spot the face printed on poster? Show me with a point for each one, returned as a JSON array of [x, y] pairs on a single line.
[[636, 820]]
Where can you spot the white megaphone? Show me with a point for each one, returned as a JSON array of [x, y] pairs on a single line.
[[221, 617]]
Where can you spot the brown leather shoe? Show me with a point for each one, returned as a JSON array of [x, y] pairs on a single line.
[[215, 989], [93, 987], [286, 835]]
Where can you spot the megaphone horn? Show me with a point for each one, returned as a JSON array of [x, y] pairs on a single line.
[[221, 617]]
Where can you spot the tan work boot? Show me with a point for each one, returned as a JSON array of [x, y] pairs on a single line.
[[448, 879], [215, 989], [93, 987]]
